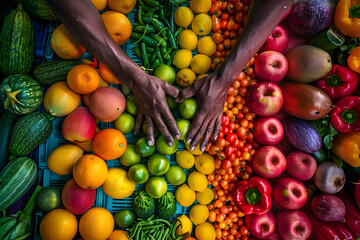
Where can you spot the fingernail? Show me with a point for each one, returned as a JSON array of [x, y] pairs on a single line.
[[178, 137], [202, 149], [189, 140], [170, 144], [150, 143], [192, 148], [215, 137]]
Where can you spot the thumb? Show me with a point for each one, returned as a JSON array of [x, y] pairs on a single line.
[[171, 90], [186, 93]]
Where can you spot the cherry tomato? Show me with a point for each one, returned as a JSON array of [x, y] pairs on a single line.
[[225, 16], [230, 8], [218, 38], [226, 164], [230, 24], [230, 137], [224, 120], [229, 150], [225, 130], [220, 143], [223, 24], [215, 7], [223, 5], [215, 23]]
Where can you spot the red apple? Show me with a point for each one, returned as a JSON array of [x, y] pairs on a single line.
[[293, 225], [268, 162], [268, 130], [270, 66], [262, 226], [300, 165], [289, 193], [265, 98], [277, 41]]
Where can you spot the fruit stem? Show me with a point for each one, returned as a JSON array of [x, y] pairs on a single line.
[[253, 196], [349, 116], [333, 80]]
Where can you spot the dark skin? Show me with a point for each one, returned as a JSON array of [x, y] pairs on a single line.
[[84, 23]]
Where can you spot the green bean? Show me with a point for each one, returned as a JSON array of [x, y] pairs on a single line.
[[141, 235], [139, 16], [154, 226], [162, 220], [135, 230], [150, 218], [138, 234]]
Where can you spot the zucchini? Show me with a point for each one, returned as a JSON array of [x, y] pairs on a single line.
[[39, 9], [7, 121]]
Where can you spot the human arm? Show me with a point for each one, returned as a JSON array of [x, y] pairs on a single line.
[[84, 23], [211, 91]]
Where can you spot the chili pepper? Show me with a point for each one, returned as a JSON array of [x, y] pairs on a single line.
[[144, 6], [163, 50], [142, 36], [153, 56], [347, 18], [159, 56], [165, 21], [139, 16], [177, 32], [180, 2], [253, 196], [171, 19], [161, 32], [144, 55], [347, 147], [137, 52], [172, 41], [357, 193], [168, 62], [141, 29], [167, 54], [159, 26], [353, 60], [340, 82], [152, 3], [161, 11], [342, 230], [148, 20], [161, 41], [345, 117], [352, 215]]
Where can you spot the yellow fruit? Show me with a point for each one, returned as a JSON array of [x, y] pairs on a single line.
[[118, 235], [185, 225], [185, 196], [187, 39], [200, 63], [97, 223], [196, 150], [205, 197], [205, 164], [183, 16], [199, 213], [201, 76], [205, 231], [185, 77], [62, 160], [118, 184], [99, 4], [182, 58], [123, 6], [197, 181], [206, 46], [202, 24], [58, 224], [200, 6], [185, 159]]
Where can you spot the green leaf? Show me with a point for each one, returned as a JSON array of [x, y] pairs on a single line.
[[338, 161], [319, 156], [354, 11], [327, 142], [333, 131]]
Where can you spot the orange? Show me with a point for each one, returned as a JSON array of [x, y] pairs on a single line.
[[58, 224], [118, 235], [96, 224], [109, 144], [64, 45], [117, 184], [62, 160], [117, 25], [90, 171], [83, 79], [123, 6], [99, 4], [108, 76]]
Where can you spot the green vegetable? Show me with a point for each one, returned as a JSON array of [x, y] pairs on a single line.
[[180, 2], [144, 55], [142, 36], [144, 205], [144, 6], [141, 28], [171, 39], [152, 3], [7, 121], [137, 52], [148, 40], [39, 9], [166, 206], [155, 64], [159, 26], [139, 16], [159, 56]]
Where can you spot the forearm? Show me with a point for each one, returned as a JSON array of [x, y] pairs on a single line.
[[84, 23]]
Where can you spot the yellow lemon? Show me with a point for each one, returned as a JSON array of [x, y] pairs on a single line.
[[196, 150], [205, 231], [206, 46], [199, 213], [118, 184], [202, 24], [200, 6], [200, 63], [185, 159], [205, 164], [205, 197], [185, 225], [62, 160], [201, 76], [187, 39], [182, 58], [185, 196], [183, 16], [185, 77], [197, 181]]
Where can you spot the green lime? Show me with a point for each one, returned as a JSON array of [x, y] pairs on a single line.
[[171, 103], [187, 108], [125, 90], [130, 156], [175, 175], [48, 198], [144, 129], [166, 73], [124, 218], [163, 147], [131, 105], [138, 173], [143, 149], [158, 164], [183, 125], [125, 123], [156, 187]]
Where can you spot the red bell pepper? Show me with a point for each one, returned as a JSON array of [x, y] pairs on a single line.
[[352, 216], [357, 193], [340, 82], [342, 230], [345, 117], [253, 196]]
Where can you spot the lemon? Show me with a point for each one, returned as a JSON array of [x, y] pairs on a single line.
[[200, 63], [185, 159], [205, 231], [200, 6], [185, 77], [183, 16], [117, 184], [182, 58], [199, 213], [201, 76], [205, 197], [185, 225], [202, 24], [184, 195], [205, 164], [196, 150], [187, 39], [197, 181], [206, 46]]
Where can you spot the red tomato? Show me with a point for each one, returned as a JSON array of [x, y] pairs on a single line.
[[215, 23], [218, 38], [223, 24], [230, 137], [225, 16], [224, 120], [216, 6]]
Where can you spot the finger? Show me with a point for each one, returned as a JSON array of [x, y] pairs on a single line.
[[171, 122], [171, 90], [208, 132], [150, 131], [139, 119], [217, 126], [186, 93], [202, 130], [163, 129], [195, 126]]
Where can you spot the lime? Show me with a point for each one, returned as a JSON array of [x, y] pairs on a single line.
[[125, 123], [144, 129], [163, 147], [158, 164], [166, 73], [176, 175], [183, 125], [171, 103], [124, 218], [125, 90], [187, 108], [49, 198], [138, 173], [143, 149], [130, 156], [131, 105], [156, 187]]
